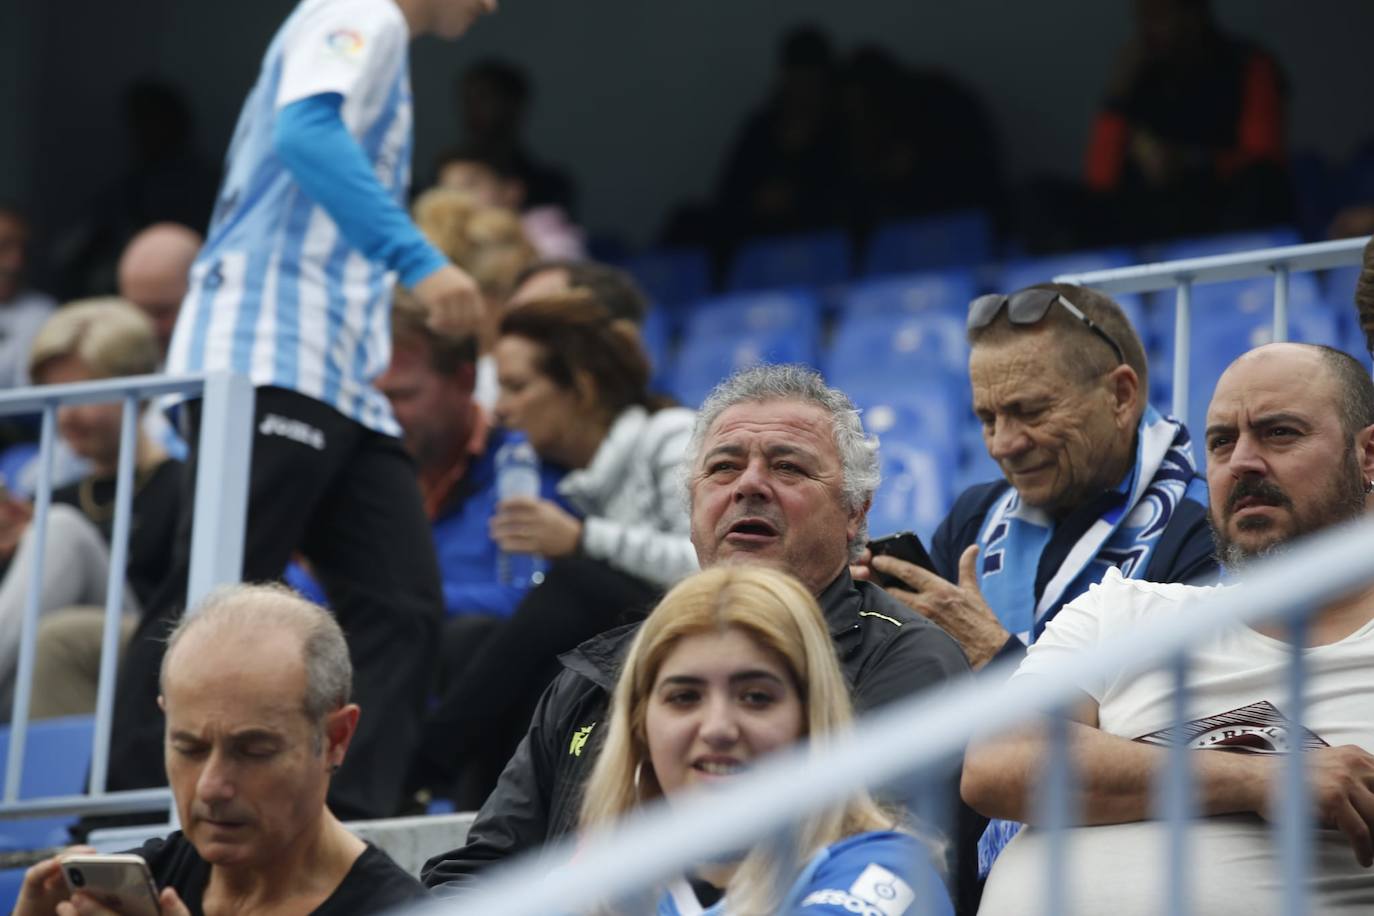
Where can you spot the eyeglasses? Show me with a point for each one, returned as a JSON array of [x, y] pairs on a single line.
[[1029, 306]]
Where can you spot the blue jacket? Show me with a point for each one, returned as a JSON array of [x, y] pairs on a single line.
[[467, 555]]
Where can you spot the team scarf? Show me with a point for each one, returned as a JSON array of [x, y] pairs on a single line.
[[1014, 535]]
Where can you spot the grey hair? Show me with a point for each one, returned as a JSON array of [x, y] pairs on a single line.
[[858, 451], [258, 608]]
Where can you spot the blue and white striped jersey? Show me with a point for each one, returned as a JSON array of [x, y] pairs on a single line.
[[277, 293]]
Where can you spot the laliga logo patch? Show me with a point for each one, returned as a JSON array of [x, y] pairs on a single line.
[[344, 42]]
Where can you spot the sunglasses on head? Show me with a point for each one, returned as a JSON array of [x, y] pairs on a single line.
[[1028, 307]]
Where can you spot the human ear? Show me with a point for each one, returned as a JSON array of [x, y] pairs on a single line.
[[1124, 387]]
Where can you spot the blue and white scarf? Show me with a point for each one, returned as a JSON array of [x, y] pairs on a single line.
[[1014, 535]]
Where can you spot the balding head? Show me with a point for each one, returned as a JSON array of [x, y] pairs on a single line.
[[153, 273], [253, 617]]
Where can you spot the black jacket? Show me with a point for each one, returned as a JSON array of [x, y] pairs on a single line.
[[887, 651]]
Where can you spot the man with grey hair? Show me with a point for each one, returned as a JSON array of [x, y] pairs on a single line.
[[779, 473], [255, 686], [153, 274]]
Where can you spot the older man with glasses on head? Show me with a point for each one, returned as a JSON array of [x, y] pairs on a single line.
[[1095, 478]]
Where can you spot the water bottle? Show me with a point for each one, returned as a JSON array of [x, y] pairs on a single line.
[[517, 474]]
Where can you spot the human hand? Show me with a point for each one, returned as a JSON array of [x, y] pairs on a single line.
[[453, 299], [82, 905], [1341, 781], [959, 610], [15, 516], [861, 569], [44, 887], [529, 525]]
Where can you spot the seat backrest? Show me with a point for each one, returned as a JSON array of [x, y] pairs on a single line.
[[809, 259], [958, 239]]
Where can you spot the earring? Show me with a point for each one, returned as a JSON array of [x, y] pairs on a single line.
[[334, 768], [639, 769], [1369, 486]]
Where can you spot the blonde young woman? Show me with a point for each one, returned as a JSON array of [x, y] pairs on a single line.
[[733, 664]]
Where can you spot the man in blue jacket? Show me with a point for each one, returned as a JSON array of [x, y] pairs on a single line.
[[1095, 479]]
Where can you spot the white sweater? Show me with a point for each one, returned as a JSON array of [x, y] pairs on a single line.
[[631, 494]]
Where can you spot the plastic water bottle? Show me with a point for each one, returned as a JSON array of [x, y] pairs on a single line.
[[517, 474]]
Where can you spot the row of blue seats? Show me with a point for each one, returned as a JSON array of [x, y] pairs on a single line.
[[963, 239], [898, 347]]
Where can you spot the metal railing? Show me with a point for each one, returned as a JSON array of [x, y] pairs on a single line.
[[661, 842], [1181, 276], [216, 551]]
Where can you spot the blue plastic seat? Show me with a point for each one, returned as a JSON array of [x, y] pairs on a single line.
[[1221, 337], [753, 313], [56, 754], [703, 363], [890, 349], [1250, 301], [957, 239], [1229, 243], [672, 275], [975, 464], [923, 410], [946, 291], [1019, 273], [914, 495], [810, 259]]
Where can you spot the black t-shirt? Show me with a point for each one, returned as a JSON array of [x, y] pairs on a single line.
[[373, 885], [153, 522]]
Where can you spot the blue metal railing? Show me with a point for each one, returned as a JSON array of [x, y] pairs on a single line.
[[216, 551]]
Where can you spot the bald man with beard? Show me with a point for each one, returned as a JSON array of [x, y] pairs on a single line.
[[153, 274]]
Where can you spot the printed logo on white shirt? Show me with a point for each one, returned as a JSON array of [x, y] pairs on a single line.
[[1259, 728]]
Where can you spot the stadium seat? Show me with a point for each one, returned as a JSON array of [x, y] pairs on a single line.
[[753, 313], [1019, 273], [1230, 243], [1221, 337], [923, 410], [975, 464], [11, 880], [56, 754], [811, 259], [914, 494], [672, 275], [886, 349], [958, 239], [656, 334], [1249, 301], [702, 363], [946, 291]]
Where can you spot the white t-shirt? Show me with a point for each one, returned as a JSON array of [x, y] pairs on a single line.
[[1236, 699]]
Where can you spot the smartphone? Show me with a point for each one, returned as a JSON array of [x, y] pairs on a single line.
[[119, 882], [904, 545]]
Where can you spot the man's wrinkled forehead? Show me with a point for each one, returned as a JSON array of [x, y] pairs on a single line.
[[773, 426]]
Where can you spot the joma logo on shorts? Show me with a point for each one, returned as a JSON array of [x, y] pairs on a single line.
[[295, 430]]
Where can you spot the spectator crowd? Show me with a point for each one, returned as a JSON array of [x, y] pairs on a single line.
[[679, 589]]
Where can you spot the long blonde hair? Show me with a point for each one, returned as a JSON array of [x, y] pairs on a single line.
[[778, 613]]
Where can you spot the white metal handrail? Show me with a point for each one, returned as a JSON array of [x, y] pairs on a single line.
[[1181, 275], [661, 842], [216, 551]]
